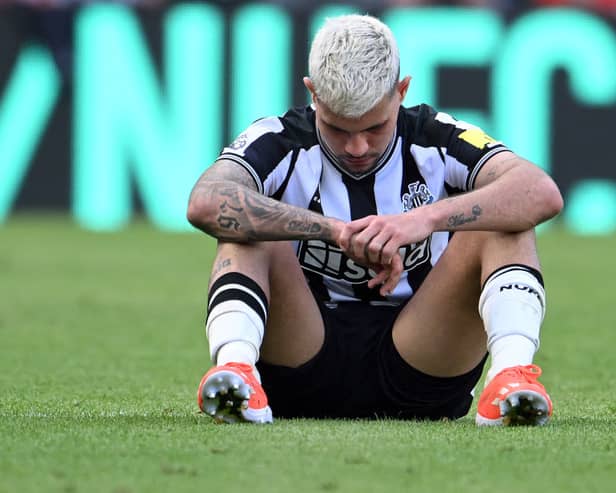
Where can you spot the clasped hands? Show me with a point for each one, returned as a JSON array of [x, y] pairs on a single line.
[[375, 242]]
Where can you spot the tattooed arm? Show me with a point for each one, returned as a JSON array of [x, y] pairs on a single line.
[[225, 204], [511, 194]]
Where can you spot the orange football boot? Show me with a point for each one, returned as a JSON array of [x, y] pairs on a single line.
[[514, 397], [231, 393]]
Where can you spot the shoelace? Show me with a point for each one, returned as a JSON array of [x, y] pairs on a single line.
[[530, 373]]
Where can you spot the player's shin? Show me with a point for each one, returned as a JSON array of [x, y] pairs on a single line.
[[231, 391], [237, 314], [512, 306]]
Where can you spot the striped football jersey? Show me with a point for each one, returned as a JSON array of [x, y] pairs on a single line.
[[430, 157]]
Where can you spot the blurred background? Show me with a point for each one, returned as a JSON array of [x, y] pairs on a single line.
[[111, 110]]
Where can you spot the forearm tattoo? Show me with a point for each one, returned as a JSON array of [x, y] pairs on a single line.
[[460, 219], [304, 227], [228, 222], [220, 265], [229, 210], [245, 215]]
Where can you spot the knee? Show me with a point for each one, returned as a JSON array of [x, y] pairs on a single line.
[[484, 248], [498, 249], [259, 255], [523, 240], [253, 248]]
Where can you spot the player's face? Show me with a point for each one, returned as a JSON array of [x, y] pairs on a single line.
[[358, 143]]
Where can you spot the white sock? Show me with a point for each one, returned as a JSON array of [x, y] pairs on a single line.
[[237, 314], [238, 352], [510, 351], [512, 306]]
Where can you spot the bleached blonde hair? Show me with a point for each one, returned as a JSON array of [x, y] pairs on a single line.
[[353, 64]]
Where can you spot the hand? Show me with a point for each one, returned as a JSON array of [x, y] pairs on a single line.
[[376, 241], [387, 276]]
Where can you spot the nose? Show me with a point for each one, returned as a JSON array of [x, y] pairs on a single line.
[[356, 145]]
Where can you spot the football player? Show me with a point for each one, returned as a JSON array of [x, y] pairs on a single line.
[[370, 256]]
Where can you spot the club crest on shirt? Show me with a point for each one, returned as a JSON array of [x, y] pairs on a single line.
[[419, 194]]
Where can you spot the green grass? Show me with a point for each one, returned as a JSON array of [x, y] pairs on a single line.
[[102, 348]]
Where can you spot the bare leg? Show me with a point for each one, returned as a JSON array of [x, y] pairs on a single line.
[[440, 331], [294, 332], [259, 305]]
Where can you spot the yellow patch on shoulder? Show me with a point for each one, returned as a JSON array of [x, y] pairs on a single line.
[[476, 138]]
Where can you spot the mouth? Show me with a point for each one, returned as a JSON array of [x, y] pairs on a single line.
[[358, 162]]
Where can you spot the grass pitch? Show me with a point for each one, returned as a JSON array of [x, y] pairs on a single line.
[[102, 348]]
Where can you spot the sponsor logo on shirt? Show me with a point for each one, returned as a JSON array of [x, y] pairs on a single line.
[[329, 261]]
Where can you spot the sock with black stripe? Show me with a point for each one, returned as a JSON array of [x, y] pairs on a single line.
[[237, 315], [512, 306]]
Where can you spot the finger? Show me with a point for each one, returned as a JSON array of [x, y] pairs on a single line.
[[350, 229], [390, 250], [377, 247], [388, 286], [396, 265], [379, 279], [361, 244], [394, 273], [355, 250], [373, 252]]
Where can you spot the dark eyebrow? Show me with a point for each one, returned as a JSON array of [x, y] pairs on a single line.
[[373, 127], [377, 126]]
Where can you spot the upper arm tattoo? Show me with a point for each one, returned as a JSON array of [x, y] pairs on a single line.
[[237, 211], [226, 170], [495, 167]]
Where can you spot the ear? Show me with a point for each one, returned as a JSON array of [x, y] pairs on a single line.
[[403, 87], [310, 86]]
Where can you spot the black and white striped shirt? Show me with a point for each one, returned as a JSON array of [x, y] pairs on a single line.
[[430, 157]]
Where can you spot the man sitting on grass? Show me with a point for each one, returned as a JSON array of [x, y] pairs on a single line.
[[370, 256]]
